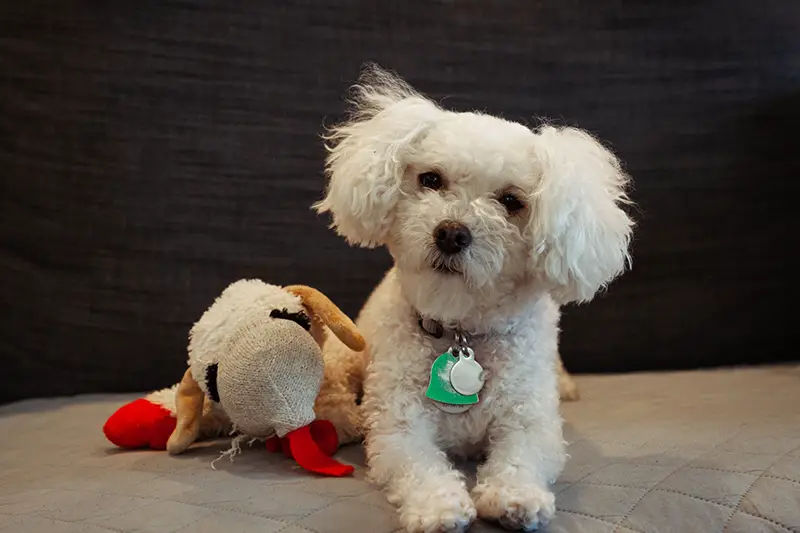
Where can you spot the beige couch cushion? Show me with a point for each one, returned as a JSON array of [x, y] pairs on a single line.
[[705, 452]]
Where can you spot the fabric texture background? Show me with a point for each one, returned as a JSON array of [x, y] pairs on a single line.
[[152, 152]]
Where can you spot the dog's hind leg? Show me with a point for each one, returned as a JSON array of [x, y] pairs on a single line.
[[567, 388]]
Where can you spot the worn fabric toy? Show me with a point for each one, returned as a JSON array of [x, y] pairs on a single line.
[[255, 366]]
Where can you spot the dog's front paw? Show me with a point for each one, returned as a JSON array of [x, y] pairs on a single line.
[[514, 506], [440, 511]]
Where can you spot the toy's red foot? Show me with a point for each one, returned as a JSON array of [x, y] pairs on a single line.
[[140, 424], [311, 446]]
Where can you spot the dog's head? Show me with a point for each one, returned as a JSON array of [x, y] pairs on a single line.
[[472, 206]]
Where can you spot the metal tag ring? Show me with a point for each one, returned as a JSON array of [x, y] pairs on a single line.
[[461, 339]]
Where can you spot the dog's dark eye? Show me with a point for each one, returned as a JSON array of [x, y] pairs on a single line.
[[511, 202], [431, 180]]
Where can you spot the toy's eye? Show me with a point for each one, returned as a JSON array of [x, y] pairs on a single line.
[[298, 318], [431, 180], [211, 381], [511, 202]]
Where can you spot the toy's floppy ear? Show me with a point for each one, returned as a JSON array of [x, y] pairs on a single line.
[[326, 311], [366, 155], [189, 409], [580, 231]]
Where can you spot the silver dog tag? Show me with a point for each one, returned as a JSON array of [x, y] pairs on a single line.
[[466, 375]]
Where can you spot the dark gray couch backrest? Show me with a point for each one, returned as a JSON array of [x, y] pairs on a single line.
[[151, 152]]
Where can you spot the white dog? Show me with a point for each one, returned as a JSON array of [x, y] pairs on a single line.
[[491, 226]]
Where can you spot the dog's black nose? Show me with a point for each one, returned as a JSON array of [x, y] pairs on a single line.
[[452, 237]]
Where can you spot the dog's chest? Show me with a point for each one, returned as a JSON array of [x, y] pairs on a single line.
[[465, 433]]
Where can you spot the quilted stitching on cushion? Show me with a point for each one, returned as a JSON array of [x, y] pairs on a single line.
[[705, 452]]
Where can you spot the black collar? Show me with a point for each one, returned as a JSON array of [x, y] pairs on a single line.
[[432, 327], [436, 329]]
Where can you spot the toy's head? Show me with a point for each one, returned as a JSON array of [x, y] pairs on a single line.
[[257, 353]]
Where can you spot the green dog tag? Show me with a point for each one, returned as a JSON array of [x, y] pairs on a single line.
[[441, 390]]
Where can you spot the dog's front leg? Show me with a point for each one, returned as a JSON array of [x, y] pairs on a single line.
[[403, 457], [526, 454]]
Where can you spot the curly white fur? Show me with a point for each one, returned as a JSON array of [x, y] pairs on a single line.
[[569, 241]]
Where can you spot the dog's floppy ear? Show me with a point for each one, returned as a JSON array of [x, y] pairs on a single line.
[[365, 163], [581, 234]]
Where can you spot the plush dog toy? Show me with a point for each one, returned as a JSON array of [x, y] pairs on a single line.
[[255, 366]]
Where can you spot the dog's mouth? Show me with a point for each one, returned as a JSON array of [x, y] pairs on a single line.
[[445, 264], [445, 269]]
